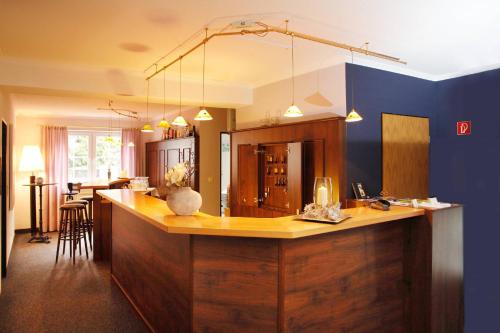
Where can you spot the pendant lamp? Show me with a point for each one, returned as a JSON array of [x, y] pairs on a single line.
[[293, 110], [164, 123], [203, 114], [147, 128], [131, 144], [353, 116], [179, 120]]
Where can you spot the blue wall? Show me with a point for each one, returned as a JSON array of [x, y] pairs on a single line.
[[377, 92], [466, 169], [463, 169]]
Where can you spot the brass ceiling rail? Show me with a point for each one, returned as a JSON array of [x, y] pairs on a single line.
[[296, 34]]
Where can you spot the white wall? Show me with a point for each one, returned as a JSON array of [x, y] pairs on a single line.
[[273, 99], [7, 114]]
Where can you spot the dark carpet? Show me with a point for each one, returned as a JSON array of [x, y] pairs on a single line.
[[41, 296]]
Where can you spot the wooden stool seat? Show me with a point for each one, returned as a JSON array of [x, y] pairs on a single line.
[[72, 205], [79, 201]]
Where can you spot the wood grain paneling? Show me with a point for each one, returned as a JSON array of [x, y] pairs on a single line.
[[101, 240], [405, 156], [400, 276], [235, 284], [153, 268], [434, 271], [345, 282]]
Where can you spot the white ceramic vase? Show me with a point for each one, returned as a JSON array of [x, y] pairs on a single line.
[[184, 201]]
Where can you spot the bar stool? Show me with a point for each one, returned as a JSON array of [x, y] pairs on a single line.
[[90, 200], [86, 218], [72, 229]]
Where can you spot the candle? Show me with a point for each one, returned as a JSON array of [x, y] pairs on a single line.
[[322, 196]]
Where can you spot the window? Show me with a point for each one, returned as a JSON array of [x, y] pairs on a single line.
[[91, 154]]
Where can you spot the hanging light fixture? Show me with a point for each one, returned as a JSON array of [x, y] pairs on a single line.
[[131, 144], [164, 123], [204, 115], [109, 138], [179, 120], [147, 128], [353, 116], [293, 110]]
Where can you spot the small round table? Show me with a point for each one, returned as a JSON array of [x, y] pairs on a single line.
[[37, 233]]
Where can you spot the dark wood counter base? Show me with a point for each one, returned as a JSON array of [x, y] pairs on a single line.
[[379, 278]]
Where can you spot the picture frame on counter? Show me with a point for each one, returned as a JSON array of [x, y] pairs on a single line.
[[359, 190]]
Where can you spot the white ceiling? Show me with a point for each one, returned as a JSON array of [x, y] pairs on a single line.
[[438, 38]]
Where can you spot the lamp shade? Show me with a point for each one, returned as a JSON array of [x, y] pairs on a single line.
[[179, 121], [353, 116], [164, 124], [147, 128], [293, 111], [31, 159], [203, 115]]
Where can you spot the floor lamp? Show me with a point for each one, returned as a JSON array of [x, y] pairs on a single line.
[[31, 161]]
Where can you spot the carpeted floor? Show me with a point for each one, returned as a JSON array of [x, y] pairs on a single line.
[[40, 296]]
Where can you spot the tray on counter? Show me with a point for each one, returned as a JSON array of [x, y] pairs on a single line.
[[341, 218]]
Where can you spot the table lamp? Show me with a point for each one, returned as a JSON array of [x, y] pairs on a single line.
[[31, 161]]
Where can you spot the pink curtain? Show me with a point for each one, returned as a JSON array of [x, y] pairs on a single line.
[[55, 153], [131, 156]]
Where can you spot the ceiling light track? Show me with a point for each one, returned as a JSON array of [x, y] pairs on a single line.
[[120, 112], [265, 30]]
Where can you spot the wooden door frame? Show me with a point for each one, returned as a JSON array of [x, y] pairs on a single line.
[[382, 143], [220, 169]]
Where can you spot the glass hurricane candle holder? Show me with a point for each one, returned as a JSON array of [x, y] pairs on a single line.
[[323, 192]]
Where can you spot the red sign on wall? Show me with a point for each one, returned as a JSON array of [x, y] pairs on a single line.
[[464, 127]]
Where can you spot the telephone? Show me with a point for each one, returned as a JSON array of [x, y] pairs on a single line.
[[380, 204]]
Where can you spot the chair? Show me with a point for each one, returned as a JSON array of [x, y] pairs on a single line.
[[87, 219], [73, 189], [72, 229]]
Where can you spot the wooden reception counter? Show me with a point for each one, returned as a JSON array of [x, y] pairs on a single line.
[[395, 271]]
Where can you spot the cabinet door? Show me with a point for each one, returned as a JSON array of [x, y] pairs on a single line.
[[173, 157], [313, 166], [248, 175], [294, 182], [152, 167], [161, 167]]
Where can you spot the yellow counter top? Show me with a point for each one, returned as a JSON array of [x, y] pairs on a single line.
[[156, 212]]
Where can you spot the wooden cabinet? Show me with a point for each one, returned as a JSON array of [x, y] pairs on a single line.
[[273, 169], [163, 155], [281, 177]]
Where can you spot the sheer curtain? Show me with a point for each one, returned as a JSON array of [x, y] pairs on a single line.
[[131, 156], [55, 153]]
